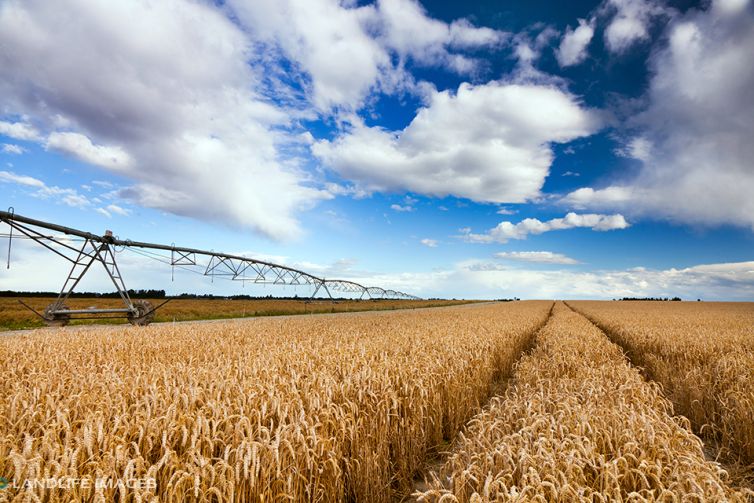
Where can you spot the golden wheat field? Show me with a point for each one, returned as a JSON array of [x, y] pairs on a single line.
[[579, 424], [13, 315], [702, 355], [521, 401], [333, 408]]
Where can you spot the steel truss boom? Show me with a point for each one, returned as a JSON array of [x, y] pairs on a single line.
[[100, 249]]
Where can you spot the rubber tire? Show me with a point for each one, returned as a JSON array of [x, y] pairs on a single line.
[[56, 320], [144, 313]]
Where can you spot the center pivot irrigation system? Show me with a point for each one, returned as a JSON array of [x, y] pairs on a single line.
[[103, 248]]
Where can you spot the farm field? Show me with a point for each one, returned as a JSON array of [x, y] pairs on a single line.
[[703, 355], [522, 401], [14, 316], [332, 408], [579, 424]]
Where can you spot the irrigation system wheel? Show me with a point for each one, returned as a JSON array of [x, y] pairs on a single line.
[[53, 318], [144, 313]]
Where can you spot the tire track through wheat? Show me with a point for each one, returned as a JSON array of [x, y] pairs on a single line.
[[437, 458], [707, 384], [579, 423]]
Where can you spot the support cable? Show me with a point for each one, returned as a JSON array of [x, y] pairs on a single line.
[[12, 212]]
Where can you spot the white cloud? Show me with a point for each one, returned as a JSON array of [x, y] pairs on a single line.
[[403, 209], [327, 41], [34, 268], [82, 148], [586, 197], [102, 184], [410, 32], [114, 208], [573, 46], [10, 177], [199, 104], [345, 190], [637, 148], [505, 231], [486, 143], [10, 148], [729, 7], [173, 89], [69, 197], [571, 173], [505, 211], [430, 243], [485, 279], [697, 169], [103, 211], [542, 257], [18, 130], [75, 200], [343, 51], [630, 22]]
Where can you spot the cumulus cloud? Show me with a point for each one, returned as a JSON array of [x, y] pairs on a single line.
[[636, 148], [608, 197], [505, 231], [111, 209], [67, 196], [174, 106], [430, 243], [10, 148], [74, 199], [402, 209], [199, 104], [697, 168], [10, 177], [81, 147], [541, 257], [630, 22], [573, 45], [34, 268], [476, 278], [411, 33], [339, 61], [18, 130], [486, 143], [114, 208], [344, 51], [103, 212]]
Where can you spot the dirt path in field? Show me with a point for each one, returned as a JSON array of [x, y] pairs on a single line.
[[248, 319], [436, 458], [740, 476]]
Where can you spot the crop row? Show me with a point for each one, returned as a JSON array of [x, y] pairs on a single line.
[[334, 408], [578, 423], [702, 354]]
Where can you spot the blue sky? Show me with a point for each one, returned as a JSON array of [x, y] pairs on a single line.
[[456, 149]]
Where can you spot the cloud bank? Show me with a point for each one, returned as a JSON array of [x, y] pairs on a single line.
[[505, 231], [697, 167]]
